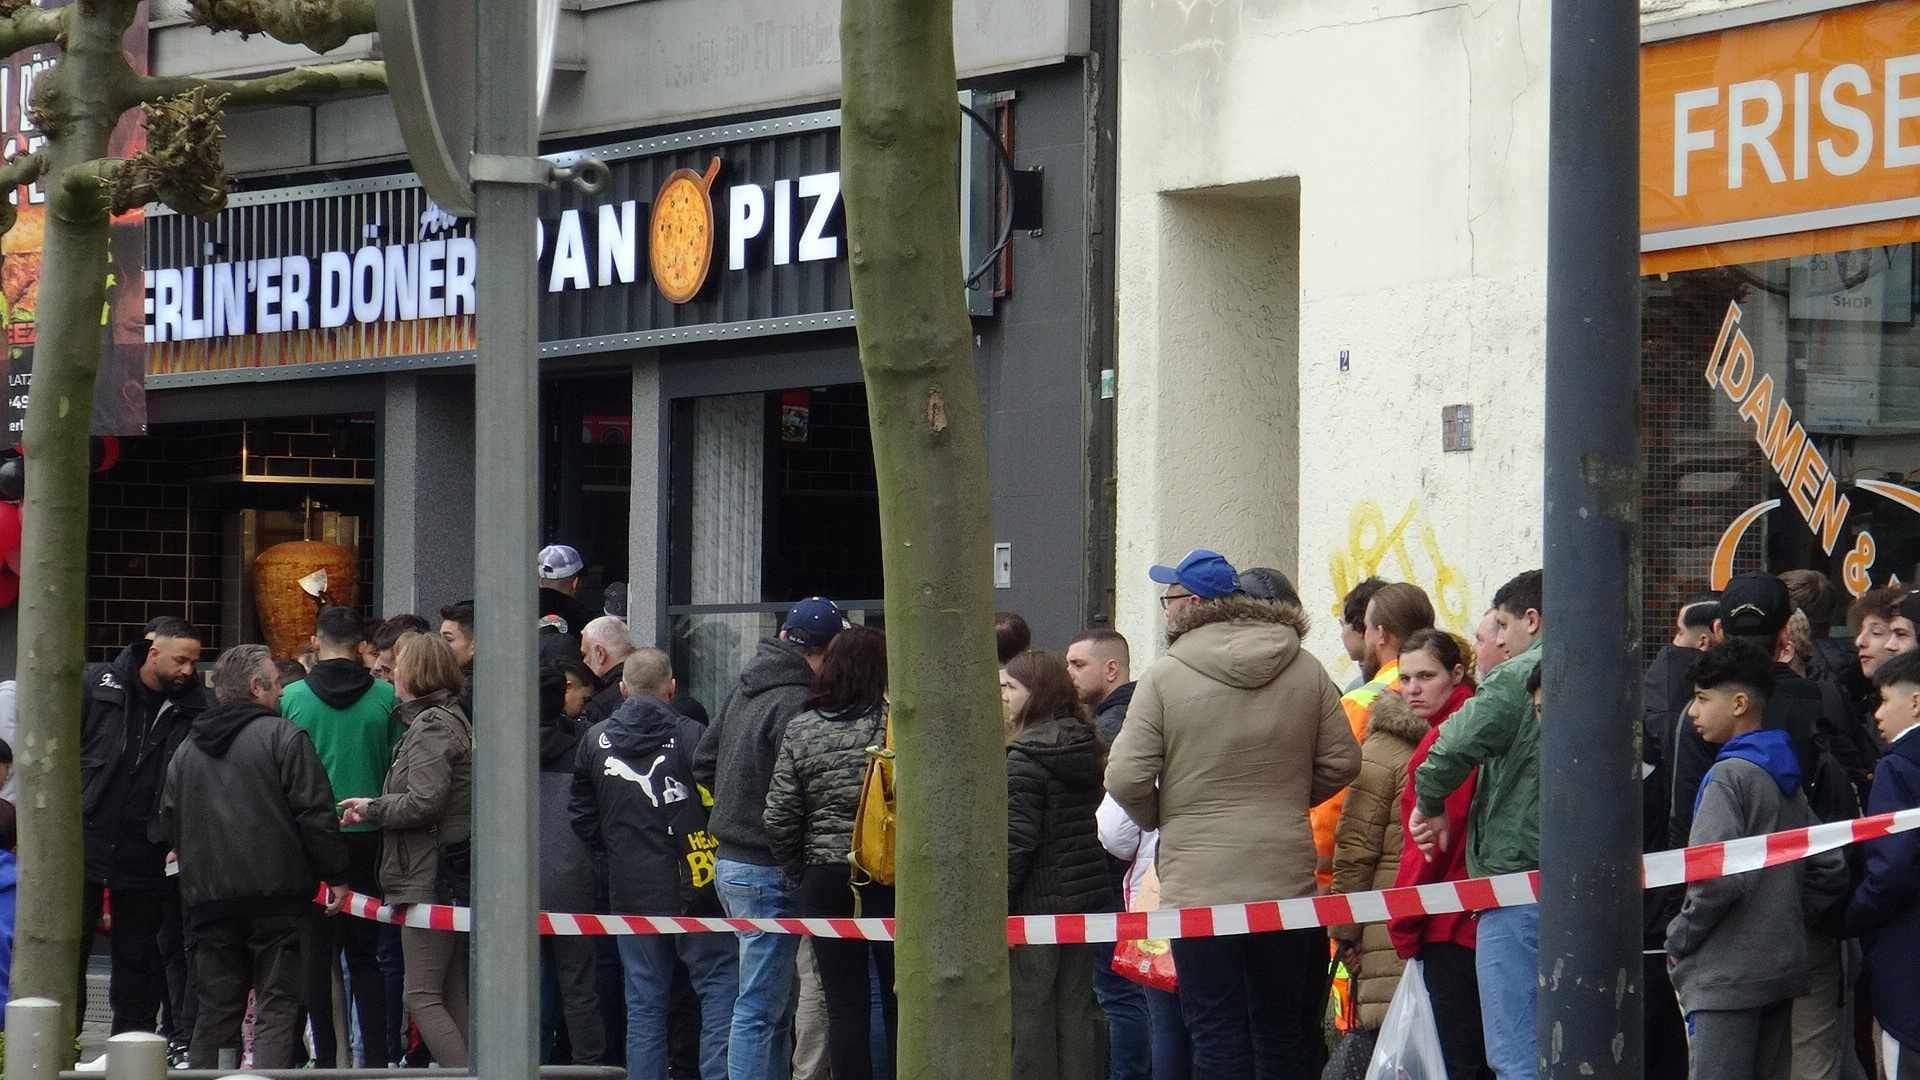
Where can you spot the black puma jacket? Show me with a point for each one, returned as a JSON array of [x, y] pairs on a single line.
[[631, 782]]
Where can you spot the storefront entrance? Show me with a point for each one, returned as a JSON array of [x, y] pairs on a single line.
[[180, 520], [586, 469], [1780, 379], [773, 500]]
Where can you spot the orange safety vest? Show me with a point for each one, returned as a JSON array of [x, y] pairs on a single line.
[[1326, 817]]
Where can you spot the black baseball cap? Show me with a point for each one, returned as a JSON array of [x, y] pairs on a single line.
[[1266, 583], [1755, 605], [1908, 606]]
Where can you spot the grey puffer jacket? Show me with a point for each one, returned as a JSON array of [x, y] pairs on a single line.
[[816, 786], [428, 803]]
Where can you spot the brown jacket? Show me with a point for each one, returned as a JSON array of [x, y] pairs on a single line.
[[1366, 851], [1231, 738], [428, 800]]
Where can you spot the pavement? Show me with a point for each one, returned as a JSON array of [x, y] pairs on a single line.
[[98, 1022]]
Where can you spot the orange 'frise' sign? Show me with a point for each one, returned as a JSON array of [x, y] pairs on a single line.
[[1786, 117]]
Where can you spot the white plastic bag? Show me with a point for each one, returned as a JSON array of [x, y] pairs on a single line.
[[1409, 1046]]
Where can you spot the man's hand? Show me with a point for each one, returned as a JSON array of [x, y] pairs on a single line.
[[353, 811], [336, 899], [1430, 833]]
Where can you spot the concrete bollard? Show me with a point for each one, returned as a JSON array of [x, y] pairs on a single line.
[[137, 1055], [36, 1049]]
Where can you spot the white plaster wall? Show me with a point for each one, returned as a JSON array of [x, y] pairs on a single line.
[[1416, 132]]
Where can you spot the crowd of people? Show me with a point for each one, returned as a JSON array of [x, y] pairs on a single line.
[[1233, 770]]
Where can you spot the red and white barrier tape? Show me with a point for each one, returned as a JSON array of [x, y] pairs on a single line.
[[1476, 894]]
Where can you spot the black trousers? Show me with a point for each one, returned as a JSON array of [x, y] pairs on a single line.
[[1666, 1029], [359, 939], [139, 981], [232, 956], [1454, 988], [180, 1007], [844, 974]]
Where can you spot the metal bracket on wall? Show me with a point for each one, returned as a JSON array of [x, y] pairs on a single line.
[[589, 174]]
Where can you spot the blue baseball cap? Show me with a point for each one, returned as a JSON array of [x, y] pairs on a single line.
[[813, 622], [1206, 574]]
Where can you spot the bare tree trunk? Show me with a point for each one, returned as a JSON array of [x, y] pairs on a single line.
[[47, 941], [899, 145]]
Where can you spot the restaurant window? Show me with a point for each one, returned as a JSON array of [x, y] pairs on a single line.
[[774, 500]]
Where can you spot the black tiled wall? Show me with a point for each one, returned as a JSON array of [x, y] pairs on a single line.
[[156, 533]]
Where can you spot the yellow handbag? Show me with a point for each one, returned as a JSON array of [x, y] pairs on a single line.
[[873, 820]]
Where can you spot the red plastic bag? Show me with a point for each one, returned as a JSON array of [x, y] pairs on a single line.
[[1148, 962]]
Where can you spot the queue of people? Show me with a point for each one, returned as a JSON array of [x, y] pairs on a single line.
[[1233, 770]]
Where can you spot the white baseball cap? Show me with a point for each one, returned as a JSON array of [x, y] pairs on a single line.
[[558, 562]]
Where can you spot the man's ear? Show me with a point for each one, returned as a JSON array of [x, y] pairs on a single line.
[[624, 692], [1532, 619]]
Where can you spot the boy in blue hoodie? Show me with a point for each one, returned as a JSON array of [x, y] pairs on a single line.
[[1884, 909], [1738, 948], [9, 893]]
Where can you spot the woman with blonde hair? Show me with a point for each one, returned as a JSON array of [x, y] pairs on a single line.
[[425, 814]]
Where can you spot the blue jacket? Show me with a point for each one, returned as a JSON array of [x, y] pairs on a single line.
[[1885, 907], [9, 893]]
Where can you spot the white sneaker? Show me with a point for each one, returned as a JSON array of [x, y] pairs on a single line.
[[97, 1065]]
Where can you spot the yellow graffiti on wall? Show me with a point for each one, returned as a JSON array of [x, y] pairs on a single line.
[[1408, 550]]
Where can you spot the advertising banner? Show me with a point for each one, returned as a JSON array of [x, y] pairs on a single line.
[[119, 399]]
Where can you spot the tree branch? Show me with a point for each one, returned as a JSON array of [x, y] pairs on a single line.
[[24, 25], [302, 84], [24, 169], [320, 25]]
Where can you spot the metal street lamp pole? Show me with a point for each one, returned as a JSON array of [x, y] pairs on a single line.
[[506, 966], [1589, 1014]]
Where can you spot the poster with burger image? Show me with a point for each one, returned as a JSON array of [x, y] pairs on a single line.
[[119, 397]]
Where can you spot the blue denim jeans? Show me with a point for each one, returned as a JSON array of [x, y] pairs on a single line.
[[648, 961], [1253, 1003], [1172, 1053], [1129, 1046], [1507, 963], [761, 1047]]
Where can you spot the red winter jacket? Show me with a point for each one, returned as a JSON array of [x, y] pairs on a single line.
[[1411, 931]]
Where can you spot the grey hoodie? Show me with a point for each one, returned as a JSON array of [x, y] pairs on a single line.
[[736, 757], [1740, 942]]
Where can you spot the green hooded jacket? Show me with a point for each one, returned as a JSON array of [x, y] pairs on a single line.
[[1497, 733]]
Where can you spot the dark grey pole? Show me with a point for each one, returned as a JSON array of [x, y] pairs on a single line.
[[506, 968], [1589, 1015]]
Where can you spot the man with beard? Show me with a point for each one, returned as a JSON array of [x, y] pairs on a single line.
[[138, 709]]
